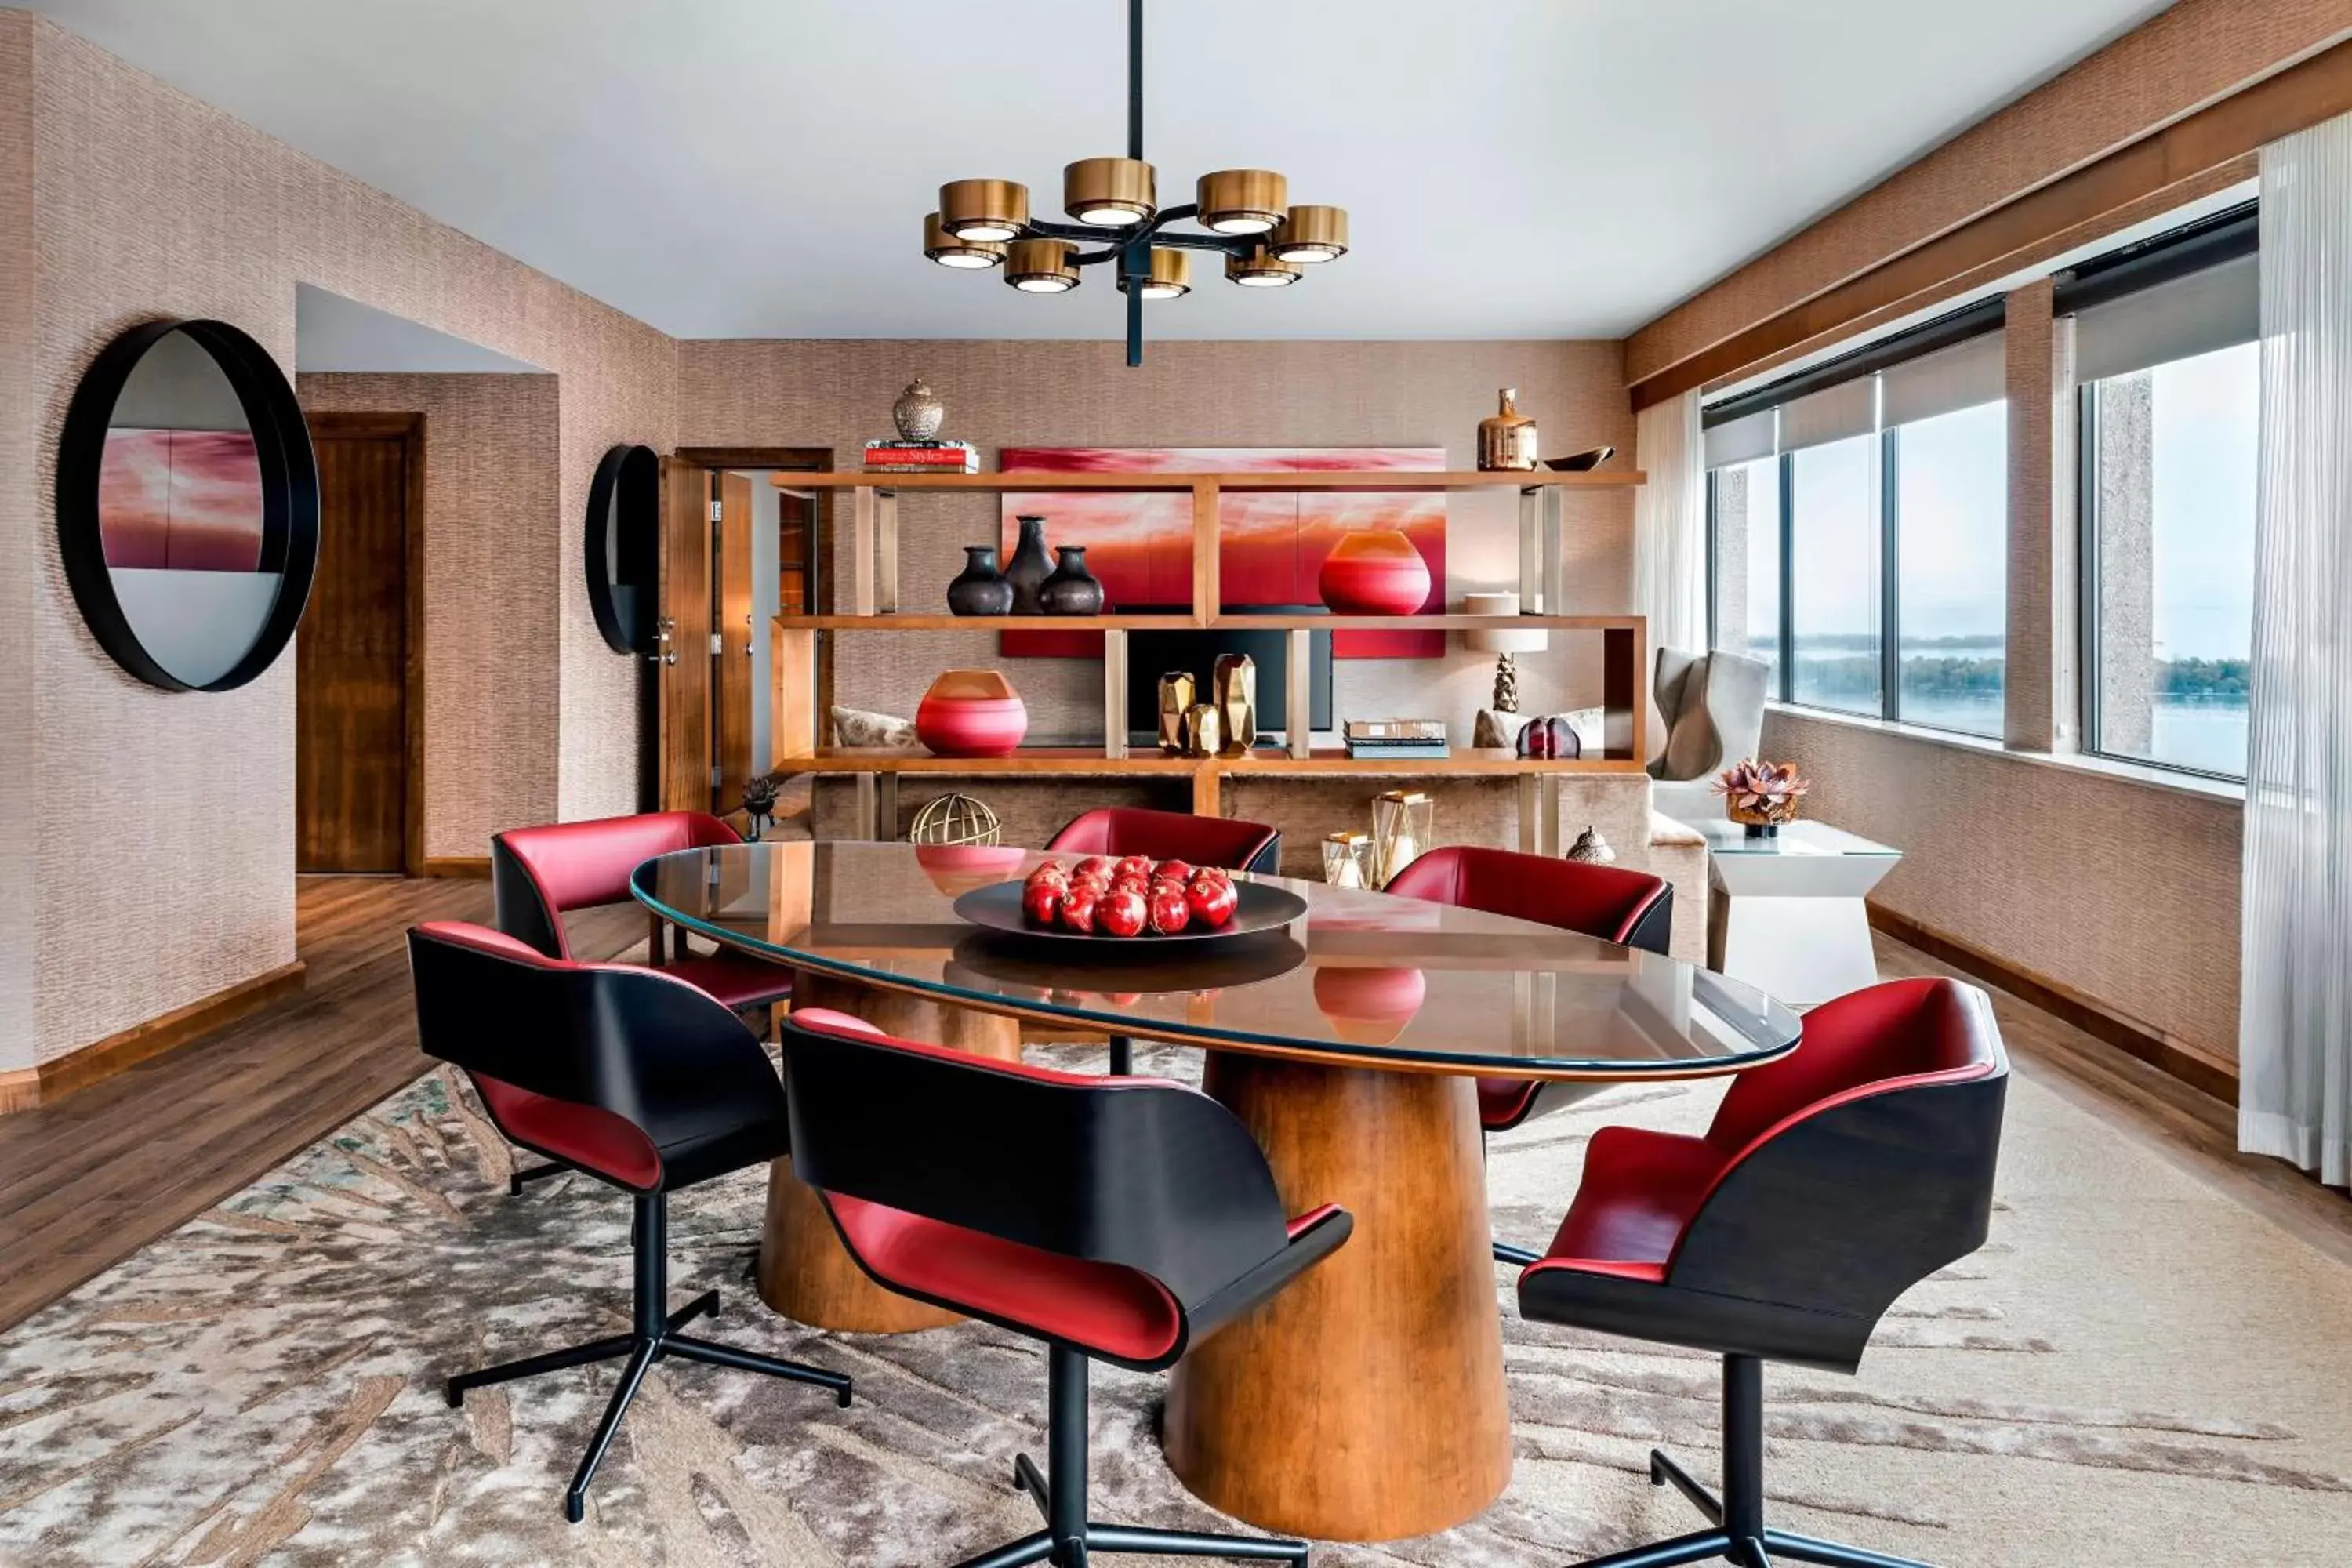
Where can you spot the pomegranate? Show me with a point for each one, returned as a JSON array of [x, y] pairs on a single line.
[[1078, 907], [1212, 902], [1041, 901], [1122, 912], [1169, 911]]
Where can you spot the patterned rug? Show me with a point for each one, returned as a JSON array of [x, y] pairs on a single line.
[[2135, 1370]]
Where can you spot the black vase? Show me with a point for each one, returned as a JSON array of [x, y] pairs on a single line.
[[980, 589], [1029, 567], [1071, 590]]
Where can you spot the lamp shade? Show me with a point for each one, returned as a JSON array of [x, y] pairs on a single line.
[[1111, 192], [993, 210], [1170, 275], [1310, 234], [1259, 270], [1041, 265], [1242, 201], [948, 250], [1499, 639]]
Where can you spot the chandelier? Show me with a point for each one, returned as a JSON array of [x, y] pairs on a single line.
[[1265, 242]]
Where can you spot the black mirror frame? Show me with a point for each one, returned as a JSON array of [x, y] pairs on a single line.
[[626, 478], [290, 493]]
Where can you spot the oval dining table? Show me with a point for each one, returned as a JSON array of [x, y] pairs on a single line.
[[1366, 1402]]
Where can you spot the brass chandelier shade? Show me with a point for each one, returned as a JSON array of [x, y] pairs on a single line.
[[1243, 216], [1311, 235], [1257, 268], [1041, 265], [990, 210], [1170, 274], [1242, 201], [1110, 193], [950, 251]]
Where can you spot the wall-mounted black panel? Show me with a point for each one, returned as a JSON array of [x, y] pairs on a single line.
[[623, 550]]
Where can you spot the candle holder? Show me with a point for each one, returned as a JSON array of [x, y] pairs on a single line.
[[1403, 821], [1347, 859]]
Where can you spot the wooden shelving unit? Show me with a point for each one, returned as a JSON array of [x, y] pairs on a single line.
[[801, 653]]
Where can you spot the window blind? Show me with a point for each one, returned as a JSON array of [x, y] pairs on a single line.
[[1962, 377], [1743, 440], [1833, 414], [2215, 309]]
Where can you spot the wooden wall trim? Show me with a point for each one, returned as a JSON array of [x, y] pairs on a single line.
[[2169, 164], [473, 866], [51, 1081], [2182, 1061]]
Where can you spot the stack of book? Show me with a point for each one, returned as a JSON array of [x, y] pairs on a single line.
[[1395, 740], [921, 457]]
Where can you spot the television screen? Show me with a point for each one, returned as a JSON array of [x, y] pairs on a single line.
[[1151, 655]]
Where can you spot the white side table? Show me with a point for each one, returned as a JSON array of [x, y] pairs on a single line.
[[1786, 914]]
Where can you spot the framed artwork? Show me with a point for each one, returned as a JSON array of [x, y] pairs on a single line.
[[1271, 545]]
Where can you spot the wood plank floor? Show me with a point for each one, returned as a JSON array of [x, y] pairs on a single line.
[[88, 1181]]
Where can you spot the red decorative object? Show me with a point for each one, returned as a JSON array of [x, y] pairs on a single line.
[[1368, 1006], [1374, 573], [957, 868], [971, 713]]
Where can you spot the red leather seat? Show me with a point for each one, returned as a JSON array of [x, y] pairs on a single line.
[[1119, 1219], [1631, 909], [1830, 1181], [1225, 841], [541, 874]]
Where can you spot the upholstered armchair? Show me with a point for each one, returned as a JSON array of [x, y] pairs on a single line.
[[1714, 707]]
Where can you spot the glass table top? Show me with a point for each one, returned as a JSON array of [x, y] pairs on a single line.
[[1724, 836], [1361, 978]]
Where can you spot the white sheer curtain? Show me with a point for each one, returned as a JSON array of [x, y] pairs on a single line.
[[2295, 1022], [1670, 523]]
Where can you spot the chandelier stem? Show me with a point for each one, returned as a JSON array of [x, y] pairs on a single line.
[[1135, 79]]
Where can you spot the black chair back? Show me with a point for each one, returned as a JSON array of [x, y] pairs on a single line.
[[1135, 1172], [654, 1051]]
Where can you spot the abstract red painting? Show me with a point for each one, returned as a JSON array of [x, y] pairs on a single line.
[[181, 500], [1271, 544]]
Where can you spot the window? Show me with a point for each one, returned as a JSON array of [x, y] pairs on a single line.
[[1892, 510], [2170, 420]]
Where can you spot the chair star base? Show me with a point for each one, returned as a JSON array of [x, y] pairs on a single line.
[[1069, 1535], [1516, 1256], [518, 1180], [654, 1335], [1739, 1534]]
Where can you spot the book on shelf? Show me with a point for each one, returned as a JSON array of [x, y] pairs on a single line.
[[1395, 740], [921, 457], [1435, 752]]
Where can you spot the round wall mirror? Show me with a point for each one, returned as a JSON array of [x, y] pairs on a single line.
[[188, 505], [624, 552]]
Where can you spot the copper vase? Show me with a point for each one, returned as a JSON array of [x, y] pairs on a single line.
[[1175, 701], [1507, 438], [1203, 734], [1235, 682]]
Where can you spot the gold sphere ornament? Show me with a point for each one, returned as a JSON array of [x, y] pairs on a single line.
[[955, 819]]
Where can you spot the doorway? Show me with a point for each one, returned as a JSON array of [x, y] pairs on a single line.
[[742, 548], [359, 657]]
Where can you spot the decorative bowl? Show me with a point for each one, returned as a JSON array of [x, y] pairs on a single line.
[[1375, 572], [1368, 1006], [957, 868], [971, 713], [1581, 462], [1259, 908]]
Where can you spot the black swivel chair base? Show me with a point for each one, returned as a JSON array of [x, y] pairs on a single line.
[[652, 1334], [1069, 1535], [1739, 1534]]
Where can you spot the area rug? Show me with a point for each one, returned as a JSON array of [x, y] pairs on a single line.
[[2135, 1371]]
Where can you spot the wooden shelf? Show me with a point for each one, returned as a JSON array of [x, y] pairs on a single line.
[[1368, 479], [1241, 622], [1081, 762]]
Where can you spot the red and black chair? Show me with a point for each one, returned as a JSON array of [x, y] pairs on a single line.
[[1631, 909], [1831, 1181], [1116, 1219], [539, 875], [1225, 841], [623, 1074]]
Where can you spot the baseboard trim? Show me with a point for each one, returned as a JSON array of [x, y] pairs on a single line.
[[100, 1060], [2192, 1066], [474, 866]]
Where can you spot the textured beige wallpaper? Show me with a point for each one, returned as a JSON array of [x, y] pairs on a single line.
[[2123, 891], [2176, 63], [491, 517], [19, 782], [838, 393], [165, 822]]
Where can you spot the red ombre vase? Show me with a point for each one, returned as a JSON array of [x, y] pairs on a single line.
[[1368, 1006], [1374, 573], [971, 713]]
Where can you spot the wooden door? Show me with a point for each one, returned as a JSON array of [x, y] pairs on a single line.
[[356, 657], [739, 504], [683, 643]]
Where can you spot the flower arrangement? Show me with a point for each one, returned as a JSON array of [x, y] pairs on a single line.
[[1761, 795]]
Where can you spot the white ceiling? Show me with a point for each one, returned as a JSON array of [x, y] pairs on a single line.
[[759, 168], [332, 334]]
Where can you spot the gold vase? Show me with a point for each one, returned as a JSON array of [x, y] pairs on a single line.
[[1175, 700], [1203, 734], [1236, 684], [1507, 438]]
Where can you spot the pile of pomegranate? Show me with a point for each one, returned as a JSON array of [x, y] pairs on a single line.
[[1127, 897]]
